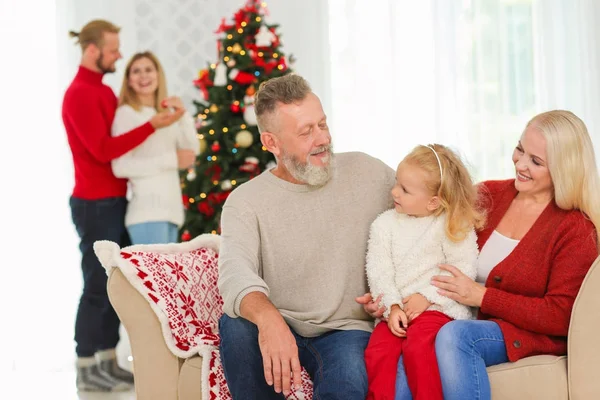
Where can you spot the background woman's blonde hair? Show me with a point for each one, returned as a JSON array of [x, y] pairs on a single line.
[[454, 188], [93, 33], [128, 95], [571, 162]]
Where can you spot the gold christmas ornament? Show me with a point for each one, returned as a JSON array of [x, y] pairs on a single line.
[[203, 145], [244, 139], [214, 108], [236, 48]]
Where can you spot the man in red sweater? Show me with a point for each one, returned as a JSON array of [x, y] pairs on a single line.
[[98, 200]]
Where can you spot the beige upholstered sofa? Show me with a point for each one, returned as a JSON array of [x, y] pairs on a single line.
[[159, 375]]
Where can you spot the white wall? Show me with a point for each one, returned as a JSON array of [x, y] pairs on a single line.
[[181, 33]]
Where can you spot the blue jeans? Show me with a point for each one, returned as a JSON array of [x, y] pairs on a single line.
[[464, 349], [155, 232], [334, 361], [96, 323]]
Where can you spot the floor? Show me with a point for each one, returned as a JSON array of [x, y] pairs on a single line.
[[52, 385], [30, 379], [38, 302]]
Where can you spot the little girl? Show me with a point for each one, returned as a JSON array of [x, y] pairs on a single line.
[[432, 223]]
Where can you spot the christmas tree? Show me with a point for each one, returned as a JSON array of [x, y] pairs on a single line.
[[249, 52]]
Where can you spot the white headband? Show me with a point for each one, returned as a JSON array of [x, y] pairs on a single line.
[[438, 160]]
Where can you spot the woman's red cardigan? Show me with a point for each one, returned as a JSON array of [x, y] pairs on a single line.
[[530, 294]]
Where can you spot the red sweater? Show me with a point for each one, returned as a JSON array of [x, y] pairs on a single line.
[[531, 292], [88, 111]]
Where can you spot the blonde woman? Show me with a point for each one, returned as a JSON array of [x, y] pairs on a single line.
[[155, 210], [540, 240]]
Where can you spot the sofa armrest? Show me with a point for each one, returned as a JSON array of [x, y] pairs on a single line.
[[583, 346], [156, 369]]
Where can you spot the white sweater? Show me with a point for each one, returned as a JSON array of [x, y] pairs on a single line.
[[152, 166], [403, 254]]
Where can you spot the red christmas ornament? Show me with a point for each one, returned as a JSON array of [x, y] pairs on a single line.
[[215, 147], [250, 165], [205, 209], [235, 108], [241, 77], [276, 42], [186, 236], [282, 63], [224, 26], [203, 83], [214, 172]]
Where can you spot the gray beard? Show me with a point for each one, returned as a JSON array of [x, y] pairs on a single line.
[[306, 172]]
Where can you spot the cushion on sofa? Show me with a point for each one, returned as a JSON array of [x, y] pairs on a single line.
[[179, 280], [538, 377]]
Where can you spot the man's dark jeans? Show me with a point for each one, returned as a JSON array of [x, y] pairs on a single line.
[[335, 361], [97, 324]]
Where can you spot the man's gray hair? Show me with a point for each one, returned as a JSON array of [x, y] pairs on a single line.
[[285, 89]]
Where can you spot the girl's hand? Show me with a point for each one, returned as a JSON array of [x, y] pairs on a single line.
[[397, 321], [459, 287], [414, 305]]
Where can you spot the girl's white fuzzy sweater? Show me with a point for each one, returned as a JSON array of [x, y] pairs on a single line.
[[152, 167], [404, 253]]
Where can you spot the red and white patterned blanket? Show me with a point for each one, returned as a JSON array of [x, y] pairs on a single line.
[[180, 283]]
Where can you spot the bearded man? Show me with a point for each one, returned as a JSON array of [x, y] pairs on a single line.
[[293, 254]]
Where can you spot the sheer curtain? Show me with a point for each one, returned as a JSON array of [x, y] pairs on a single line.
[[41, 256], [567, 59], [465, 73], [382, 76], [41, 292]]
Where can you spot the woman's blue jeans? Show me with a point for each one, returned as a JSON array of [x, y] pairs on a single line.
[[464, 349], [155, 232]]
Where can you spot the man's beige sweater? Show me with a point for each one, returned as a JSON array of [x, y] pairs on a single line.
[[304, 247]]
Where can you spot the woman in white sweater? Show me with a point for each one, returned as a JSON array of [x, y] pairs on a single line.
[[432, 223], [155, 210]]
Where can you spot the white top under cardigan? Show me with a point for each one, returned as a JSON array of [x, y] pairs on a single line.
[[152, 167], [496, 249], [404, 253]]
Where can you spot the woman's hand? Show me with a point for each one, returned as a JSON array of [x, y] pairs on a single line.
[[185, 158], [173, 102], [459, 287], [414, 305], [397, 321], [371, 306]]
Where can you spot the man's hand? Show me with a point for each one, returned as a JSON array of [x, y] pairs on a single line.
[[371, 306], [414, 305], [185, 158], [280, 354], [397, 321], [166, 118], [276, 341]]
